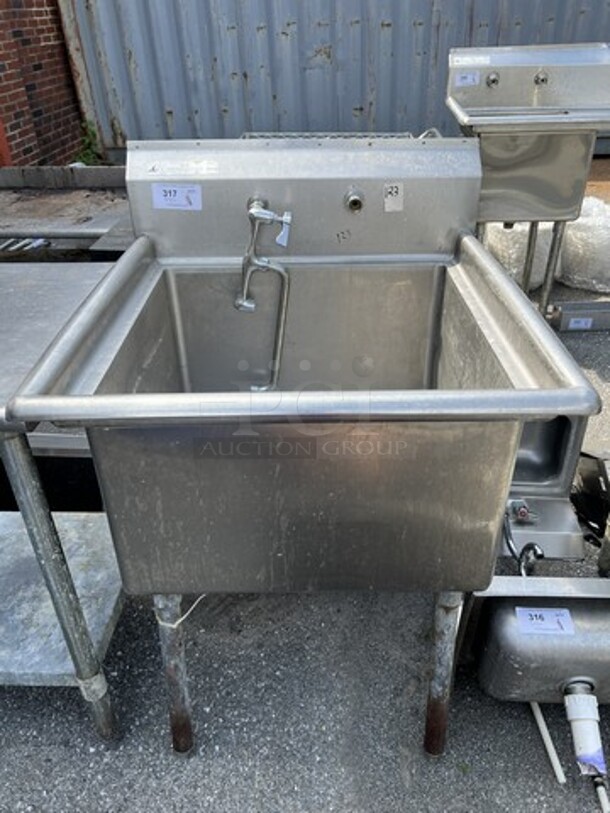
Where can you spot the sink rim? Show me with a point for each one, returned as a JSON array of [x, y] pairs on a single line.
[[35, 401]]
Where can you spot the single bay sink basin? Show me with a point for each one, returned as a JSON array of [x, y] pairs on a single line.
[[384, 458]]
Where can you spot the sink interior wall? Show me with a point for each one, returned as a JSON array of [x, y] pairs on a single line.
[[348, 327], [148, 359], [466, 359]]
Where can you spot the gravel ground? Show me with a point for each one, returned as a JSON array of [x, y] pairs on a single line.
[[302, 703]]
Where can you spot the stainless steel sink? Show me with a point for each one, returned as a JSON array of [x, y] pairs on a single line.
[[536, 111], [384, 454], [384, 459], [536, 88], [344, 403]]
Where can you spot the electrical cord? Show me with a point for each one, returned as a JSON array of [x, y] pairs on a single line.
[[509, 539], [529, 554]]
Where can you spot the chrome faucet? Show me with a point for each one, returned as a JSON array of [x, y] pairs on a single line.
[[259, 215]]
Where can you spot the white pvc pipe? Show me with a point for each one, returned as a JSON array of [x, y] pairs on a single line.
[[583, 715], [602, 795], [548, 743]]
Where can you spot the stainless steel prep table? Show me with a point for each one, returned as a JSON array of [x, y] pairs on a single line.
[[49, 639], [36, 299]]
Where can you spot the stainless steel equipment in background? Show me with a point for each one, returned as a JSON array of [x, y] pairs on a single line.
[[524, 659], [536, 111], [61, 599], [546, 640]]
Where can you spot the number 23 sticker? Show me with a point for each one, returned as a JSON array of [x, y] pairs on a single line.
[[393, 197]]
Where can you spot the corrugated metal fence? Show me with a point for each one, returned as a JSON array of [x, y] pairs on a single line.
[[217, 68]]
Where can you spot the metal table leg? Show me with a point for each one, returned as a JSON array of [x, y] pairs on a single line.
[[447, 616], [551, 265], [530, 252], [171, 635], [479, 231], [25, 482]]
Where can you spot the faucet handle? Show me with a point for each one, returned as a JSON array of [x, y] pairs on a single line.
[[283, 236]]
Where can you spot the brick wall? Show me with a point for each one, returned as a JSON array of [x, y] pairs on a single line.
[[39, 113]]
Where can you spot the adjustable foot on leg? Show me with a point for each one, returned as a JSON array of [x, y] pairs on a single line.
[[95, 692]]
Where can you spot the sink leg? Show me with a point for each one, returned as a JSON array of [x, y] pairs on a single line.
[[171, 636], [447, 616], [479, 231], [552, 262], [530, 253], [27, 488]]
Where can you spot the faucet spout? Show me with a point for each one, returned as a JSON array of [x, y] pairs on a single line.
[[259, 215]]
